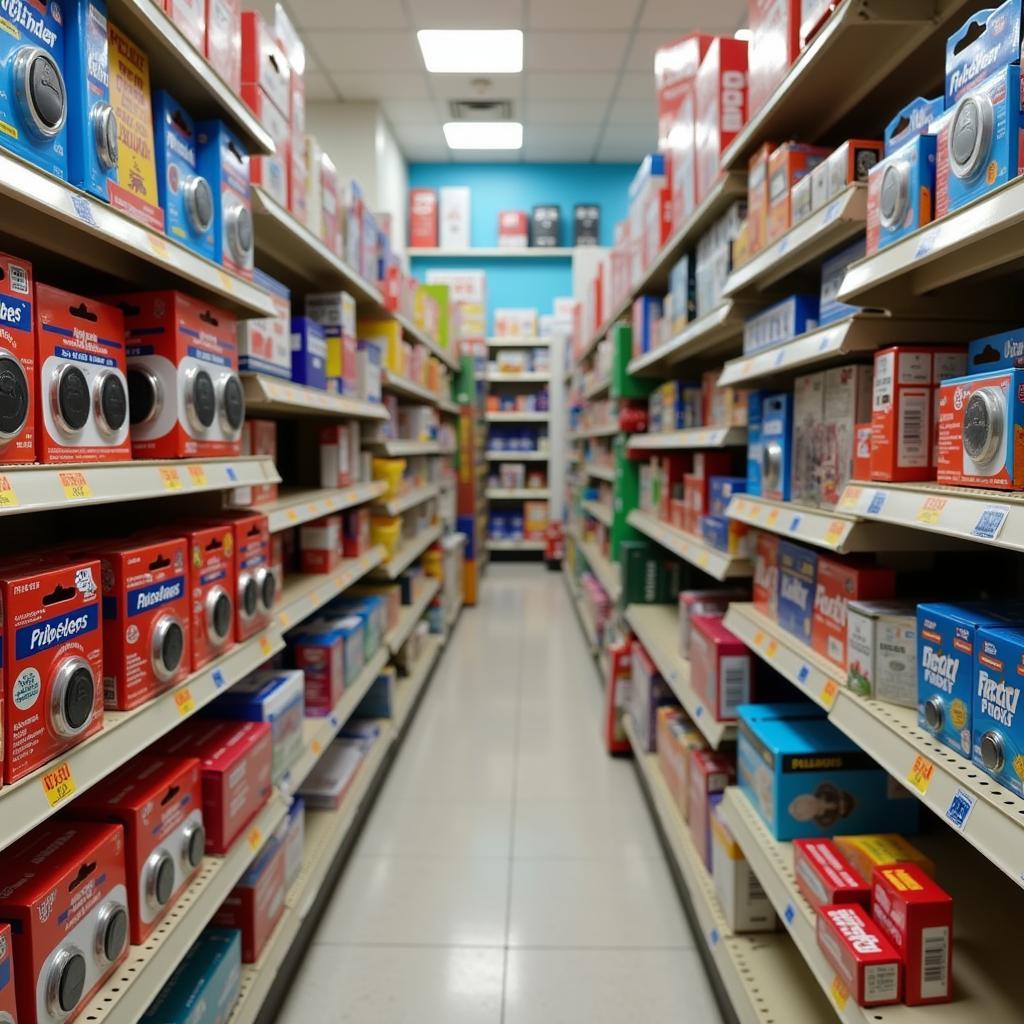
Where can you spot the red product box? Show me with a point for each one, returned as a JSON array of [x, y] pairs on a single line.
[[336, 469], [675, 70], [277, 558], [675, 469], [190, 17], [901, 413], [838, 583], [710, 773], [320, 545], [211, 588], [825, 876], [865, 960], [17, 362], [264, 63], [186, 395], [862, 451], [255, 585], [8, 998], [774, 44], [53, 661], [224, 40], [916, 915], [63, 891], [721, 667], [256, 904], [423, 218], [82, 387], [259, 437], [787, 165], [766, 574], [297, 147], [693, 502], [331, 211], [146, 622], [159, 803], [681, 146], [270, 172], [236, 761], [757, 198], [320, 652], [721, 106], [356, 533], [513, 229]]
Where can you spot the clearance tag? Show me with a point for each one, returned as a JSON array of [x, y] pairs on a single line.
[[850, 498], [931, 511], [920, 774], [8, 499], [171, 479], [255, 839], [184, 701], [773, 517], [157, 246], [839, 992], [293, 515], [316, 748], [265, 646], [771, 649], [75, 486], [198, 476], [834, 532], [829, 692], [758, 638], [58, 784]]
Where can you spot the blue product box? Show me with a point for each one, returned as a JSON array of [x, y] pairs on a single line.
[[996, 352], [988, 41], [833, 270], [352, 630], [291, 834], [264, 345], [224, 163], [755, 447], [798, 575], [185, 195], [724, 534], [780, 323], [309, 353], [808, 780], [776, 447], [378, 700], [652, 166], [997, 734], [911, 121], [33, 121], [801, 708], [92, 126], [901, 192], [646, 310], [721, 489], [368, 357], [205, 985], [370, 612]]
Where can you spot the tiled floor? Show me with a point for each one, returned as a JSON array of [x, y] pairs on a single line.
[[509, 871]]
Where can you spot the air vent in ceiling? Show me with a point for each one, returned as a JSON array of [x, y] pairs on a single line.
[[480, 110]]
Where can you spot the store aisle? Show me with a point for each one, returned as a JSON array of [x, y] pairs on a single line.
[[509, 870]]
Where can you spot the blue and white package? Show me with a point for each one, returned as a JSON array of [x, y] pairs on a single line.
[[224, 163], [780, 323], [185, 195], [646, 310], [798, 577], [291, 834], [833, 270], [755, 445], [911, 121], [378, 702], [901, 193], [997, 722], [265, 344], [776, 446], [309, 353], [370, 611], [988, 41], [205, 985], [996, 352], [92, 126], [368, 366], [720, 492]]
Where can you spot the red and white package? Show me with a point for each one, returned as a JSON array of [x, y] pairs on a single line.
[[270, 172], [159, 802], [320, 545], [902, 407], [721, 106], [675, 70], [259, 437], [337, 463], [766, 574], [211, 590], [264, 63], [256, 904], [17, 362], [224, 40], [513, 229], [865, 960], [8, 997], [190, 17], [255, 584], [837, 584], [774, 44], [825, 876], [721, 667], [331, 210], [423, 218], [703, 602]]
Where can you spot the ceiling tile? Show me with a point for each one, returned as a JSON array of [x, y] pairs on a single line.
[[476, 87], [383, 52], [464, 14], [615, 151], [379, 85], [569, 85], [636, 85], [677, 17], [571, 14], [439, 154], [632, 134], [419, 134], [641, 53], [575, 51], [388, 14], [318, 86], [586, 135], [568, 112], [490, 156], [643, 111], [565, 150], [411, 111]]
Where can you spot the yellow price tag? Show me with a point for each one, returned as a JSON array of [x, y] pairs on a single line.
[[265, 646], [834, 532], [58, 783], [316, 748], [703, 559], [755, 512], [773, 518], [758, 638], [741, 506], [285, 619], [931, 511], [313, 509], [255, 838], [920, 774], [185, 702], [198, 475], [851, 497], [829, 692], [771, 649], [8, 499], [75, 485], [226, 281], [839, 992], [293, 515], [171, 479], [158, 247]]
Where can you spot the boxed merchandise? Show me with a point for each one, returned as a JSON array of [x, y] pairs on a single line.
[[186, 397], [914, 119], [264, 63], [916, 916], [224, 40], [836, 584], [546, 226], [833, 270], [649, 576], [996, 743], [159, 803], [331, 213], [787, 165], [707, 603], [513, 229], [454, 217], [676, 740], [820, 183], [204, 987], [987, 41], [867, 852], [808, 437], [780, 323], [881, 651], [423, 218], [798, 573], [649, 692], [259, 437], [744, 903], [265, 344], [82, 388], [725, 534], [864, 960], [825, 876], [757, 199], [190, 17], [379, 699], [901, 410], [256, 904], [320, 545], [721, 667], [336, 314], [211, 585], [224, 162], [255, 584], [67, 938], [319, 651], [330, 780], [236, 760], [291, 834], [8, 999], [586, 224], [675, 69], [53, 661], [721, 90], [647, 311], [755, 441], [710, 772], [813, 14], [774, 44], [848, 401], [309, 353], [356, 532], [17, 361], [777, 445], [270, 172], [681, 294], [801, 200], [850, 163], [901, 191], [274, 696], [766, 574]]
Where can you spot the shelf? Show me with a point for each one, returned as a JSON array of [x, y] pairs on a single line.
[[37, 488], [608, 430], [517, 494], [518, 342], [61, 225], [601, 512], [405, 388], [446, 405], [657, 627], [763, 974], [270, 396], [694, 437], [517, 417], [397, 448], [494, 253], [424, 591], [598, 389], [606, 571], [411, 499], [407, 690], [408, 553], [518, 378], [516, 545], [719, 564], [713, 334], [601, 473], [24, 804], [421, 338], [493, 455], [304, 595], [296, 506], [841, 220]]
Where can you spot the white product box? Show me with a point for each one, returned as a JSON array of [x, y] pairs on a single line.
[[744, 903], [881, 650], [808, 430], [847, 403], [454, 218], [819, 185], [314, 187]]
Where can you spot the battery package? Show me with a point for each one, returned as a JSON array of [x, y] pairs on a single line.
[[825, 876], [868, 964], [256, 904]]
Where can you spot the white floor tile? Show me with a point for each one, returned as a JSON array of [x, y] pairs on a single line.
[[431, 828]]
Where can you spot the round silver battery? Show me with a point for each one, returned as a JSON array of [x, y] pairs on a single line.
[[218, 616], [40, 92], [970, 135], [198, 203], [72, 696], [993, 753], [65, 984], [104, 134], [69, 399], [111, 932], [771, 465], [159, 873], [231, 404], [894, 194], [934, 713], [238, 228], [168, 647], [984, 424], [13, 397], [193, 845], [145, 395], [110, 402], [200, 399]]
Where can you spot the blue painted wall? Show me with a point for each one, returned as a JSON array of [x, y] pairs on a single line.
[[496, 187]]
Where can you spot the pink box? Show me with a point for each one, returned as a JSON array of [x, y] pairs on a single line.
[[712, 603], [721, 106], [270, 172], [710, 773], [721, 667], [513, 229], [224, 40], [774, 45]]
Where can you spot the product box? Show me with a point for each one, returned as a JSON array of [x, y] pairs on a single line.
[[916, 916], [995, 352], [913, 120], [224, 163], [331, 214], [837, 583], [901, 411], [787, 165], [986, 42], [863, 958], [67, 938], [755, 441], [320, 545], [204, 987], [255, 584], [808, 437], [146, 621], [848, 401], [850, 163], [159, 803], [881, 651], [190, 17], [996, 744], [867, 852], [8, 998], [721, 90], [981, 430], [513, 229], [264, 62], [82, 408], [586, 224], [798, 572], [820, 183], [648, 692], [801, 200], [766, 574], [53, 661], [721, 667], [757, 198], [319, 651], [270, 172], [675, 741], [901, 191], [710, 772], [211, 589], [774, 45], [423, 218], [224, 40], [236, 761], [776, 432], [675, 70], [647, 311], [825, 876], [780, 323], [833, 270], [291, 833], [309, 353], [813, 14], [744, 903], [17, 361], [265, 344], [339, 455], [455, 217], [256, 904], [259, 437], [545, 226], [711, 603], [186, 395]]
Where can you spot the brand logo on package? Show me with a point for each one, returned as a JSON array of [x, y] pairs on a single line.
[[15, 313], [849, 924], [998, 700], [940, 669], [796, 591], [145, 598], [30, 640], [46, 907], [22, 15]]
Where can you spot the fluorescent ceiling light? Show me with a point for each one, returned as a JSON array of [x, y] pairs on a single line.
[[743, 34], [472, 51], [484, 135]]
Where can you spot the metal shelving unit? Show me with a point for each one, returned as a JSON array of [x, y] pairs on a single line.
[[517, 494], [601, 512], [516, 545], [269, 396], [296, 506], [409, 551], [719, 564], [424, 591], [411, 499], [304, 595], [717, 332], [517, 417], [606, 571], [694, 437], [499, 455]]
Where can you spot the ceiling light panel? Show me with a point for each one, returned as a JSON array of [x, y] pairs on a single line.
[[484, 134], [472, 51]]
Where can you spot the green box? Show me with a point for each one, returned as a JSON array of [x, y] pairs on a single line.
[[622, 384], [625, 495], [439, 292]]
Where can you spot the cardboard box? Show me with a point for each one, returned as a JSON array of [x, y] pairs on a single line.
[[766, 574], [546, 226], [881, 651], [862, 957], [676, 740], [757, 198], [675, 71], [8, 997], [787, 165], [256, 904], [586, 221], [270, 172], [255, 585], [710, 772], [836, 584], [848, 401], [211, 584], [721, 90], [743, 902], [18, 361], [708, 603], [265, 344], [798, 572], [224, 161], [808, 437], [774, 44], [649, 691], [850, 163], [423, 219], [224, 40], [901, 414], [825, 876], [867, 852], [513, 229], [995, 729], [721, 668], [901, 191], [455, 222]]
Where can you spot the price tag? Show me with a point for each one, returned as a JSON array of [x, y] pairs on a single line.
[[877, 503], [8, 499], [293, 515], [184, 702], [197, 474], [990, 522], [755, 512], [920, 774], [805, 671], [265, 646], [83, 210], [75, 486], [789, 913], [232, 475], [851, 497], [794, 524], [931, 511], [171, 479], [829, 692], [285, 619], [834, 532], [226, 281], [703, 559], [158, 246], [255, 839], [713, 936], [772, 519], [826, 340], [783, 246], [780, 357], [839, 993], [700, 711], [315, 748], [959, 809], [927, 242], [313, 510], [771, 649], [58, 783], [741, 506], [218, 679], [758, 638]]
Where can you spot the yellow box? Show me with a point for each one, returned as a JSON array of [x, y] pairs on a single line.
[[387, 336], [868, 852]]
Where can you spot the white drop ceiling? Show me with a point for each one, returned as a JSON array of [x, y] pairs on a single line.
[[586, 92]]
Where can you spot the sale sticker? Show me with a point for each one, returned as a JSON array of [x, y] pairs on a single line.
[[834, 533], [8, 499], [829, 692], [255, 839], [931, 510], [265, 646], [850, 498], [58, 783], [920, 774], [773, 518], [839, 993], [75, 485], [171, 479], [198, 476], [185, 702]]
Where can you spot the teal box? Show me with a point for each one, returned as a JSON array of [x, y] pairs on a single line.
[[371, 611], [205, 985], [378, 702]]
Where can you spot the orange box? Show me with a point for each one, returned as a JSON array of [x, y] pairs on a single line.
[[851, 162], [837, 584], [901, 414], [786, 166], [757, 199]]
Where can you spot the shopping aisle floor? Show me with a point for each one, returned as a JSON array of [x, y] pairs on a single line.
[[509, 871]]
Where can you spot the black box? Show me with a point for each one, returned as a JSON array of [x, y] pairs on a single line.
[[546, 227], [587, 224]]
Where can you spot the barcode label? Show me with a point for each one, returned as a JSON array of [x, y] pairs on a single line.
[[913, 432], [934, 963], [18, 279], [735, 679]]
